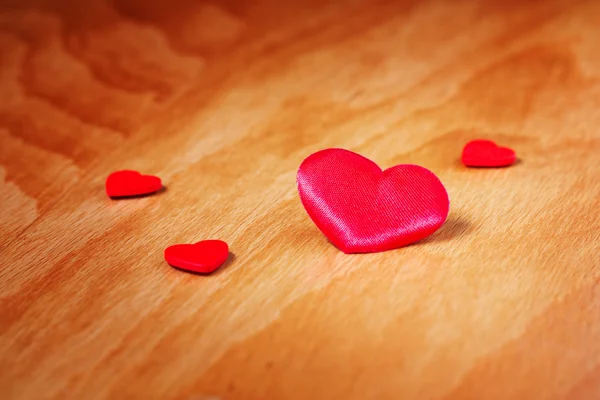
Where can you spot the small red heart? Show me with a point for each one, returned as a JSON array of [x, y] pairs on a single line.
[[362, 209], [485, 153], [203, 257], [131, 183]]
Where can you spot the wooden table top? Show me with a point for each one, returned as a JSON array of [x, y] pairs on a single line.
[[223, 100]]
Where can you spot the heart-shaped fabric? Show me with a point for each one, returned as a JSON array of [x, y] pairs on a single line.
[[131, 183], [485, 153], [362, 209], [202, 257]]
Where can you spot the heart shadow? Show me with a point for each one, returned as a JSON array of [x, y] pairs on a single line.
[[230, 259], [454, 227], [139, 196]]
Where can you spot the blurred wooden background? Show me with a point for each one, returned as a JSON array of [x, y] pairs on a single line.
[[223, 100]]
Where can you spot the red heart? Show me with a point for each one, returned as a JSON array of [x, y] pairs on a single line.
[[362, 209], [485, 153], [203, 257], [131, 183]]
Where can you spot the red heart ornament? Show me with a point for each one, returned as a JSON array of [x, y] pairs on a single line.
[[362, 209], [131, 183], [485, 153], [203, 257]]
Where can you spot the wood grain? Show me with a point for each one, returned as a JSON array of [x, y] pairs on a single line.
[[223, 100]]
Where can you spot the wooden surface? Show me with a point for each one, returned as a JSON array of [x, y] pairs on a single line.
[[223, 100]]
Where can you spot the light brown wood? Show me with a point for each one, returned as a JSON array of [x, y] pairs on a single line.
[[223, 100]]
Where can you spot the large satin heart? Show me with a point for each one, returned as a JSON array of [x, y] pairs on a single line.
[[362, 209]]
